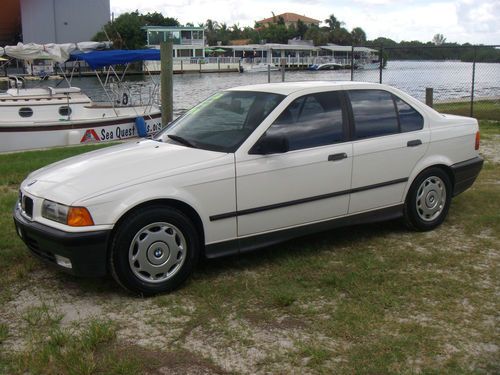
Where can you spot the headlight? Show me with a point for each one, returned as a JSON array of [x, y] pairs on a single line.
[[55, 211], [73, 216]]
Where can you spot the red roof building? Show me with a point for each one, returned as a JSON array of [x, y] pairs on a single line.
[[290, 19]]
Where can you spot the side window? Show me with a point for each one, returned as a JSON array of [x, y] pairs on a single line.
[[374, 113], [311, 121], [409, 119]]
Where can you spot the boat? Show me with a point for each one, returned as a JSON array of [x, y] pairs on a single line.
[[33, 118], [368, 65], [259, 68], [326, 66]]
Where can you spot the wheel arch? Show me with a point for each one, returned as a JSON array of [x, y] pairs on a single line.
[[185, 208], [445, 168]]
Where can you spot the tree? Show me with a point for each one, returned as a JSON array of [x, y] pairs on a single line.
[[157, 19], [358, 36], [125, 31], [438, 39], [333, 22], [301, 29]]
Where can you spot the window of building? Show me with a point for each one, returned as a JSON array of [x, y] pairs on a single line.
[[311, 121]]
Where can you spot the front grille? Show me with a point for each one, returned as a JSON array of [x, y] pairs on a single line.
[[26, 205]]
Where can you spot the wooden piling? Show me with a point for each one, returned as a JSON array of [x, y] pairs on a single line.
[[167, 84], [429, 96]]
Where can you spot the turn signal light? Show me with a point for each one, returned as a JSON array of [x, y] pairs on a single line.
[[477, 141], [79, 217]]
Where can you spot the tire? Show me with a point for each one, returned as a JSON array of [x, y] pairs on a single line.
[[428, 200], [154, 250]]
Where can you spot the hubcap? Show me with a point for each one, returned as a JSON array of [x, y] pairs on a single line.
[[431, 198], [157, 252]]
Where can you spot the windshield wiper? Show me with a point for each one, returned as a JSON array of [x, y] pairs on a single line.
[[181, 140]]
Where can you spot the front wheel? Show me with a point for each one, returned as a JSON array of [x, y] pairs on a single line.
[[154, 250], [428, 200]]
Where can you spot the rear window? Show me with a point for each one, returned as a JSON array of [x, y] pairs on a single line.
[[409, 119]]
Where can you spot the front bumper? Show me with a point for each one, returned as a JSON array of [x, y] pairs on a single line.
[[465, 173], [86, 251]]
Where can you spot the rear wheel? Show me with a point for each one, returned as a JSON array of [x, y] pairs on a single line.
[[428, 200], [154, 250]]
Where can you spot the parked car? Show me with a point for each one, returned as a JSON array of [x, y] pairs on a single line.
[[247, 168]]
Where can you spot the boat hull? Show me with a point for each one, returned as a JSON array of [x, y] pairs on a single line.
[[65, 133]]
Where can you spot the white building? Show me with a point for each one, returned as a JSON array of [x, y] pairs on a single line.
[[62, 21]]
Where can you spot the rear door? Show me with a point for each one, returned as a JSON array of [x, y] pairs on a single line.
[[389, 139]]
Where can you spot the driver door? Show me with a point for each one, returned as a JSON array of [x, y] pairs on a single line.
[[306, 184]]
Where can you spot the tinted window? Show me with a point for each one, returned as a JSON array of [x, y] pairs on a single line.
[[374, 113], [223, 121], [311, 121], [409, 119]]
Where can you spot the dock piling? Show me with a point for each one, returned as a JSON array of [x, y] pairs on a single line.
[[167, 83]]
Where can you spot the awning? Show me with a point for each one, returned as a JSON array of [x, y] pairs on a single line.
[[98, 59]]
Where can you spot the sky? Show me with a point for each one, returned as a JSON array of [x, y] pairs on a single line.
[[461, 21]]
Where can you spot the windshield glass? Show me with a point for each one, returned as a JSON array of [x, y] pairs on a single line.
[[223, 121]]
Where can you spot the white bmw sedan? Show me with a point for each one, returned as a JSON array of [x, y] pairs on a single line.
[[246, 168]]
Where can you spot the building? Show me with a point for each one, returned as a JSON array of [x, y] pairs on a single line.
[[289, 19], [188, 41], [10, 22], [62, 21]]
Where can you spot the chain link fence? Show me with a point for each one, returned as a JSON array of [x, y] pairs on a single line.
[[462, 79]]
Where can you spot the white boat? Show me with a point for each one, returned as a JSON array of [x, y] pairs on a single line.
[[258, 68], [326, 66], [32, 118]]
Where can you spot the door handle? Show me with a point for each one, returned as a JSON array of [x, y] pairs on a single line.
[[335, 157], [413, 143]]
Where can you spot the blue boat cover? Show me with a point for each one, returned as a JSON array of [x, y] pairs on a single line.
[[98, 59]]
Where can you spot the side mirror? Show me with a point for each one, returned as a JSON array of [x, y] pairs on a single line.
[[270, 144]]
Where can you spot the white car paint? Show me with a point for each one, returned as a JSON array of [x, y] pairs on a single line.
[[112, 181]]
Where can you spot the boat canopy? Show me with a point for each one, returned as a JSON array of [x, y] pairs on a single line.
[[57, 52], [98, 59]]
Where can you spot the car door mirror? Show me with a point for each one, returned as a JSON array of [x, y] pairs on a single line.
[[270, 144]]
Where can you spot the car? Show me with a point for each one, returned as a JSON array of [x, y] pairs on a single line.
[[246, 168]]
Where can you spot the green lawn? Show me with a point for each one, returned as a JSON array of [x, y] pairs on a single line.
[[370, 299]]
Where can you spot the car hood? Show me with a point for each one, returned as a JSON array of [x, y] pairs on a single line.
[[115, 167]]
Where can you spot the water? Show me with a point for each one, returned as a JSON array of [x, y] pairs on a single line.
[[451, 81]]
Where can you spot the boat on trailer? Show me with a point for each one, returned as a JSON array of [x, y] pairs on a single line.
[[33, 118]]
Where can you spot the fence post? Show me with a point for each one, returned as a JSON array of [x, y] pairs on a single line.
[[473, 82], [352, 62], [381, 62], [429, 96], [268, 73], [283, 62]]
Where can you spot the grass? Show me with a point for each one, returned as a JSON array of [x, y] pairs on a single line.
[[483, 110], [371, 299]]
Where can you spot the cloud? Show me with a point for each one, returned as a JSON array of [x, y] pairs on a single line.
[[473, 21]]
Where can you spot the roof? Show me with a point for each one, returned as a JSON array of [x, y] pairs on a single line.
[[287, 88], [289, 17], [271, 46], [336, 48], [164, 28]]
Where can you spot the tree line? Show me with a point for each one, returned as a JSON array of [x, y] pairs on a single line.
[[125, 32]]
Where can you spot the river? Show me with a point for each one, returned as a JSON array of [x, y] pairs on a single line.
[[451, 80]]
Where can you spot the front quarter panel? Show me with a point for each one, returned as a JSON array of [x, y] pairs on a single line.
[[208, 191]]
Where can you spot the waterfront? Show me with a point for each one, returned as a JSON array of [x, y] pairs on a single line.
[[451, 80]]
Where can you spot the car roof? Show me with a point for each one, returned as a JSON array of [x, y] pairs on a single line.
[[287, 88]]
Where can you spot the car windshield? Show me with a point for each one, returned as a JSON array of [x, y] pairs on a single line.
[[222, 122]]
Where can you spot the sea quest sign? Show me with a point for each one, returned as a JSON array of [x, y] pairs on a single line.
[[118, 132]]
